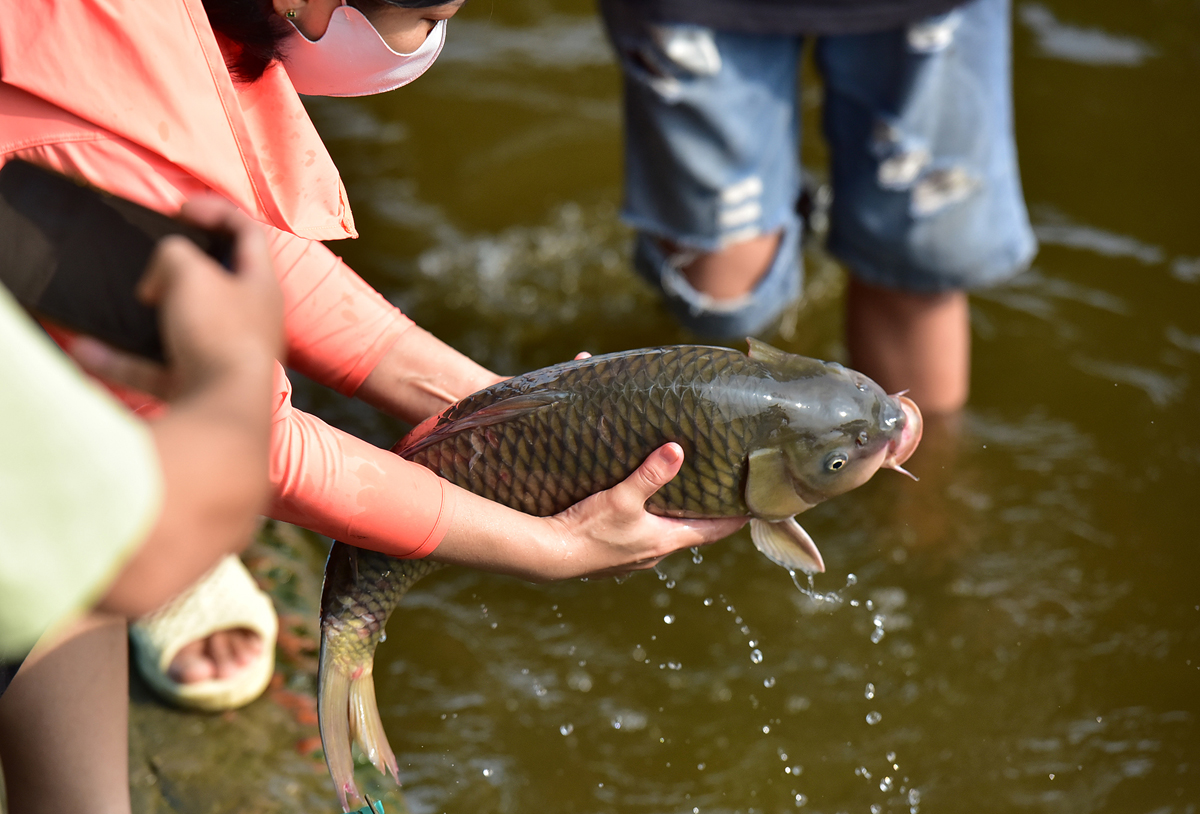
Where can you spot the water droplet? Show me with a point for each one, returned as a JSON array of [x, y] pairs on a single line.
[[863, 771], [493, 625], [669, 619], [874, 718], [870, 605], [661, 576], [854, 603], [383, 636], [756, 656], [870, 692], [708, 601], [700, 766], [800, 800], [851, 580], [782, 755], [670, 584], [876, 808], [885, 784], [914, 797], [877, 635], [566, 729], [487, 772], [769, 682], [767, 729], [616, 722], [697, 557], [891, 757]]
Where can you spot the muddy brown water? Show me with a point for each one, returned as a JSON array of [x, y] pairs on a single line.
[[1020, 631]]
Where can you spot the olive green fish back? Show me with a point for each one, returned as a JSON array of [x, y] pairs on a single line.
[[542, 442]]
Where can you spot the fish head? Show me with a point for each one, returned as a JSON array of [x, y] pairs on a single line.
[[842, 428], [837, 428]]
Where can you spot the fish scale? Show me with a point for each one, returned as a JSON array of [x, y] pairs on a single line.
[[495, 460]]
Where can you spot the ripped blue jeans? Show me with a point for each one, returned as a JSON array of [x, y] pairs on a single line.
[[926, 189]]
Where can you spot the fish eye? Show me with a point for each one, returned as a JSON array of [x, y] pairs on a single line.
[[835, 462]]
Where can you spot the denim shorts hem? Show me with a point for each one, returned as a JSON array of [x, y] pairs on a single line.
[[921, 281]]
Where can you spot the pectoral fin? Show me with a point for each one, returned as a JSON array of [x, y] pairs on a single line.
[[769, 490], [509, 409], [785, 543]]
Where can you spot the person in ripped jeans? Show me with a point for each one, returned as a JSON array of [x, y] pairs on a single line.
[[927, 201]]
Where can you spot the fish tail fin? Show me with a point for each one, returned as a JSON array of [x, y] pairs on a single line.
[[367, 728], [333, 715]]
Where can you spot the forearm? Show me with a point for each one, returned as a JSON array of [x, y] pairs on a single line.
[[212, 448], [606, 534], [420, 376]]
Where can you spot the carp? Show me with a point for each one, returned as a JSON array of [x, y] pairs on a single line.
[[766, 435]]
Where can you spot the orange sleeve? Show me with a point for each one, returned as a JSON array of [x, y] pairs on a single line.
[[338, 327], [341, 486]]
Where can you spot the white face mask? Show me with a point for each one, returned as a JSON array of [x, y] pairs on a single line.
[[351, 59]]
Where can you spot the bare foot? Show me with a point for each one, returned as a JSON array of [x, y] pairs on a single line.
[[221, 655]]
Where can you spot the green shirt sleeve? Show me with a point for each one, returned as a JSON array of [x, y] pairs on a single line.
[[80, 484]]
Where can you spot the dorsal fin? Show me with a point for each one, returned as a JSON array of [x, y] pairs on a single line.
[[791, 364]]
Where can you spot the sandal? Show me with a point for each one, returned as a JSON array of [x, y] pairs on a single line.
[[226, 597]]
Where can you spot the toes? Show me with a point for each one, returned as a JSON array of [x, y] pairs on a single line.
[[246, 646], [219, 656], [191, 664]]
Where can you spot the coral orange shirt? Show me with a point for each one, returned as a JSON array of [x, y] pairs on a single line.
[[135, 98]]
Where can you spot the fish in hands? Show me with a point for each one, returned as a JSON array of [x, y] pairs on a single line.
[[766, 435]]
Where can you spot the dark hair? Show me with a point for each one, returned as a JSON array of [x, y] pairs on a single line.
[[257, 32]]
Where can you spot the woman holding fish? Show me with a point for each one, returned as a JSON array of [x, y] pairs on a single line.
[[165, 101]]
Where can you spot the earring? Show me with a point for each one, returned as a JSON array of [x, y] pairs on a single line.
[[290, 14]]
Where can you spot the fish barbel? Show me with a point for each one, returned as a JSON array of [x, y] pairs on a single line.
[[765, 435]]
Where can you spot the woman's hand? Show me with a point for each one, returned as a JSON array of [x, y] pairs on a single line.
[[611, 533], [607, 534]]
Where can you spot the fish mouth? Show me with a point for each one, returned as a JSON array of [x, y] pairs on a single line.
[[902, 448]]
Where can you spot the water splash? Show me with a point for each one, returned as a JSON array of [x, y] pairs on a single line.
[[811, 592]]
